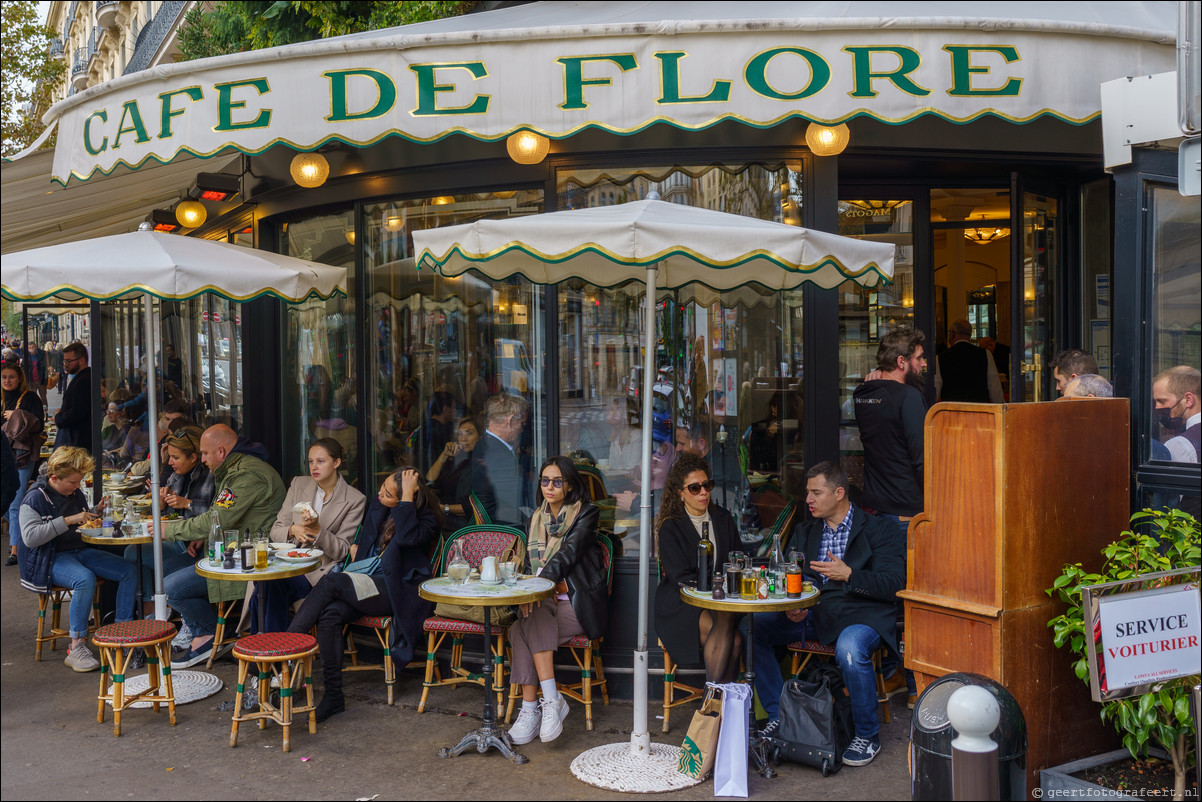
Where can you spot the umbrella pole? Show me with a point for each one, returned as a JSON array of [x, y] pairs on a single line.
[[152, 418], [640, 740]]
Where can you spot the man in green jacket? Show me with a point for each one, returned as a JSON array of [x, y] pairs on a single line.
[[248, 495]]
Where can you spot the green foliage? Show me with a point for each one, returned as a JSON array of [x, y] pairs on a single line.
[[256, 24], [1158, 541], [27, 74]]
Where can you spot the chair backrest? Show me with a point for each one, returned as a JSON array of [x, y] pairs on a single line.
[[777, 511], [607, 559], [594, 482], [482, 541], [479, 515]]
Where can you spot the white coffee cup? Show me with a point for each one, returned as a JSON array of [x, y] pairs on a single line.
[[488, 569]]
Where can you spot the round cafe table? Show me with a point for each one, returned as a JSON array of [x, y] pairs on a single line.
[[96, 538], [756, 746], [528, 589], [276, 569]]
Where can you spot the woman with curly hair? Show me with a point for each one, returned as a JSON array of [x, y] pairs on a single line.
[[692, 635]]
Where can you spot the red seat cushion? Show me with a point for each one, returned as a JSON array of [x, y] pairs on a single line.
[[274, 644], [134, 633], [811, 646], [374, 621], [577, 642], [440, 624]]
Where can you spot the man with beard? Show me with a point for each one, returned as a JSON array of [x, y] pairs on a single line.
[[890, 412], [1175, 394], [74, 419]]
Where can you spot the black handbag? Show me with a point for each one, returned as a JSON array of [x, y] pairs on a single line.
[[815, 722]]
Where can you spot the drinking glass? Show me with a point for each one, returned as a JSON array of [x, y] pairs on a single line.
[[262, 549], [509, 574], [458, 572]]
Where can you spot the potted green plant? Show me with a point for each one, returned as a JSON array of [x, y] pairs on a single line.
[[1170, 539]]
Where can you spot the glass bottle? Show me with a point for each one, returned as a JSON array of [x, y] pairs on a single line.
[[705, 558], [216, 543], [457, 564]]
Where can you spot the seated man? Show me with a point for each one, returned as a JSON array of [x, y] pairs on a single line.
[[247, 495], [861, 566]]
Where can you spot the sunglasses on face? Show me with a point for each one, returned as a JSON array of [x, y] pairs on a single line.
[[547, 481], [696, 487]]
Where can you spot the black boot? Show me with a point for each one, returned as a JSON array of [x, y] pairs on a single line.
[[331, 703]]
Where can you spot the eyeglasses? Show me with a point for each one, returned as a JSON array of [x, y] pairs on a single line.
[[696, 487], [547, 481]]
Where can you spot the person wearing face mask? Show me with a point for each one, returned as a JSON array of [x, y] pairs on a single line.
[[450, 475], [1175, 393], [329, 523], [401, 524]]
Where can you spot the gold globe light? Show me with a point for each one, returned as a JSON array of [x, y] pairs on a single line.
[[394, 218], [309, 170], [191, 214], [443, 200], [827, 141], [527, 147]]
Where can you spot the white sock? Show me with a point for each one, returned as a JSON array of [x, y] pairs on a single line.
[[550, 689], [531, 706]]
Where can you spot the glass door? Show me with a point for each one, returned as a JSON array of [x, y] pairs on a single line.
[[1036, 255]]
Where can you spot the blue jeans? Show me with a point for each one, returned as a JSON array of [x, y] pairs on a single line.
[[853, 655], [188, 594], [14, 510], [281, 595], [175, 557], [78, 570]]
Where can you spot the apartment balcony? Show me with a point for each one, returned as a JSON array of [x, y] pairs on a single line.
[[79, 69], [106, 13]]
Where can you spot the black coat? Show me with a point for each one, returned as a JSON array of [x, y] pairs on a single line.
[[578, 560], [497, 481], [876, 554], [675, 621], [75, 418], [405, 564], [9, 481]]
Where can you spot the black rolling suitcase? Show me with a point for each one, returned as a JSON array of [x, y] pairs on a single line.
[[815, 720]]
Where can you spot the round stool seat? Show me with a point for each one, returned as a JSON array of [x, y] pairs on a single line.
[[133, 633], [377, 621], [274, 644]]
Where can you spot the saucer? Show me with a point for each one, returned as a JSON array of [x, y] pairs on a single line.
[[494, 582]]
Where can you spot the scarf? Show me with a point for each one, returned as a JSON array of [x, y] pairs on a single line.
[[542, 535]]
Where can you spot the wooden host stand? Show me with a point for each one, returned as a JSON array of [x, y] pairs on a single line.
[[1012, 493]]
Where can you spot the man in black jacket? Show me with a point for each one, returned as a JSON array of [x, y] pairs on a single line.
[[860, 564], [498, 479], [74, 420]]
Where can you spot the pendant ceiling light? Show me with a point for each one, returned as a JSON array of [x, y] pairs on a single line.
[[527, 147], [827, 140], [191, 214], [309, 170]]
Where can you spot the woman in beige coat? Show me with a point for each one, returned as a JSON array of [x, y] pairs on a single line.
[[334, 512]]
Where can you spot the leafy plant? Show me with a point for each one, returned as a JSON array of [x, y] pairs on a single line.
[[1170, 539]]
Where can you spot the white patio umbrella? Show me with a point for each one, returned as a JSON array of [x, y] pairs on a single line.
[[150, 264], [666, 245]]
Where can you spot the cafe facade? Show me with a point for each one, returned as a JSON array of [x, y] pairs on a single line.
[[972, 144]]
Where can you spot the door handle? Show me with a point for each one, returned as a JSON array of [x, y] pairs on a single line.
[[1035, 368]]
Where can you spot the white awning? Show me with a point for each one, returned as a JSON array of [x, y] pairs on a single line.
[[560, 68]]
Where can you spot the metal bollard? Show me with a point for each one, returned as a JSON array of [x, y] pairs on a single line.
[[973, 712]]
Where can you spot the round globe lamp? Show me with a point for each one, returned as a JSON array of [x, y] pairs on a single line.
[[826, 140], [191, 214], [527, 147], [309, 170]]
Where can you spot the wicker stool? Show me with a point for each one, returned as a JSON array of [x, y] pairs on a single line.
[[116, 643], [54, 600], [272, 653], [673, 686]]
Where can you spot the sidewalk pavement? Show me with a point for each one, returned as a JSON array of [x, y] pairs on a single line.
[[52, 744]]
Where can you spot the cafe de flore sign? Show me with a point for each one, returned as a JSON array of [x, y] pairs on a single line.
[[620, 78]]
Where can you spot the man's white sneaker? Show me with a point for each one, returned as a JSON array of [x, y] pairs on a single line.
[[80, 659], [526, 727], [183, 637], [553, 715]]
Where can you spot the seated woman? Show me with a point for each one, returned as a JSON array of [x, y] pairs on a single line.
[[52, 553], [690, 633], [337, 512], [454, 486], [188, 492], [564, 531], [401, 525], [113, 432]]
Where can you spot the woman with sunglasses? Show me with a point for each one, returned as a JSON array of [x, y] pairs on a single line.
[[692, 635], [401, 525], [563, 537]]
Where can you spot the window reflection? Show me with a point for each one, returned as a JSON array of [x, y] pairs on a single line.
[[728, 366]]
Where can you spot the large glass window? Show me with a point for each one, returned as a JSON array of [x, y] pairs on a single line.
[[1097, 240], [319, 348], [1176, 320], [441, 346], [728, 380], [866, 314]]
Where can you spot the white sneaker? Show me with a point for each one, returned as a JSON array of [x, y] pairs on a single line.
[[553, 715], [526, 727], [183, 637], [80, 659]]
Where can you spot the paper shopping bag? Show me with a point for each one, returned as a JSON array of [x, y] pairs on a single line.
[[697, 752], [730, 763]]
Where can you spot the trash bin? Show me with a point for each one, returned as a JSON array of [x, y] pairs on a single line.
[[931, 737]]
